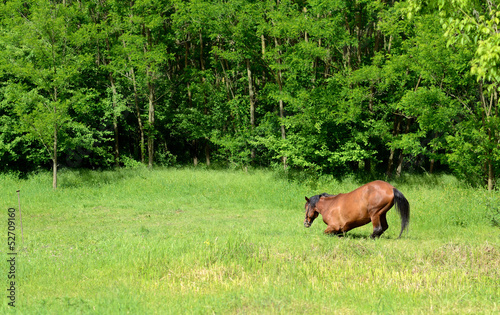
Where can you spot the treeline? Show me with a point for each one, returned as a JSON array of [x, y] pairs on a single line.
[[330, 86]]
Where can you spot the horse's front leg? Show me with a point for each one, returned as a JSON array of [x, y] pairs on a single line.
[[335, 230]]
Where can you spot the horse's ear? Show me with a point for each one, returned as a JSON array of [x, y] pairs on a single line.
[[307, 199]]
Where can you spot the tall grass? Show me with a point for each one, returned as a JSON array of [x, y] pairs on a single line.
[[175, 241]]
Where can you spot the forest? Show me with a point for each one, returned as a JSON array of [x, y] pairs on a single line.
[[331, 87]]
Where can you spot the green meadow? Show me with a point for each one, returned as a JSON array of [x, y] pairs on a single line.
[[193, 241]]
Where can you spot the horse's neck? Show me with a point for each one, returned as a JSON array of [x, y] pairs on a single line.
[[325, 202]]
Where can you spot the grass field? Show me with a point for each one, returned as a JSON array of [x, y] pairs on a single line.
[[184, 241]]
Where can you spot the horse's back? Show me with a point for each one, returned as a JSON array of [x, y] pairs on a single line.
[[380, 185], [368, 197], [370, 190]]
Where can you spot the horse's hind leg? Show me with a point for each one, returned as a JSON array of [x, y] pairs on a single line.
[[379, 225], [379, 220], [383, 221]]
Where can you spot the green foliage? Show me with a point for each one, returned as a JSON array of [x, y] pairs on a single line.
[[326, 86]]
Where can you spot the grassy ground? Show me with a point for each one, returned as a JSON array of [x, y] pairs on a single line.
[[196, 241]]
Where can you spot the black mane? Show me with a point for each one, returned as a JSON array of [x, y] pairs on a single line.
[[314, 199]]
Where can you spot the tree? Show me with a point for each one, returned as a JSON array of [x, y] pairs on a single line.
[[44, 68], [421, 80], [474, 25]]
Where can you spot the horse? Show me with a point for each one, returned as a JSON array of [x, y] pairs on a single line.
[[368, 203]]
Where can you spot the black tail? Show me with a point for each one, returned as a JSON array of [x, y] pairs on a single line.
[[403, 207]]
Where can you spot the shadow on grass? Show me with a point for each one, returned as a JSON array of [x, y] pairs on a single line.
[[360, 236], [349, 235]]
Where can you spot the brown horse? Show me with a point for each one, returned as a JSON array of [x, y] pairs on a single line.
[[368, 203]]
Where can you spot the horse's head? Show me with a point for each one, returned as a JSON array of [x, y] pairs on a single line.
[[311, 212]]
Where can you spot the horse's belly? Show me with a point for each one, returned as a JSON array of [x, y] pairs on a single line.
[[352, 219]]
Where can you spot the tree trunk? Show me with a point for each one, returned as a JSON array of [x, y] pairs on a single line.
[[54, 158], [489, 158], [151, 99], [151, 122], [399, 169], [138, 113], [205, 99], [195, 152], [431, 167], [207, 153], [252, 104], [137, 109], [186, 58], [114, 105], [486, 113], [263, 45], [346, 50], [54, 149], [283, 131], [397, 124], [115, 121], [368, 166], [281, 105], [136, 101], [490, 176]]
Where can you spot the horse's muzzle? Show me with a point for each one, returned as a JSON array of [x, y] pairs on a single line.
[[307, 224]]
